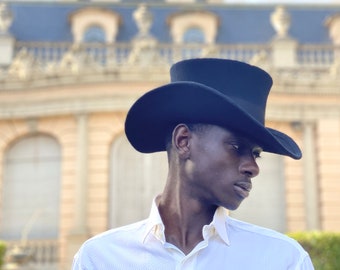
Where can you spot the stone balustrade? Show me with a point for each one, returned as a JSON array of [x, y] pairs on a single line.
[[320, 55], [45, 62], [40, 255]]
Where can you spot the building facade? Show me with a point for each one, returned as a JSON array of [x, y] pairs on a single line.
[[69, 71]]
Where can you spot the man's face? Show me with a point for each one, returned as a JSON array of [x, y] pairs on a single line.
[[221, 166]]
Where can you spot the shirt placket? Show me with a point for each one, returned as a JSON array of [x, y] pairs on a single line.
[[189, 262], [182, 261]]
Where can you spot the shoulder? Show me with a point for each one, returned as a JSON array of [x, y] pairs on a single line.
[[109, 248], [131, 232], [262, 237], [271, 249]]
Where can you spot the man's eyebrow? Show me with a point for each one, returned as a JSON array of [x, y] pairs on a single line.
[[243, 139]]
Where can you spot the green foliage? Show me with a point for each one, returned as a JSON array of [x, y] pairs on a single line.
[[2, 253], [323, 248]]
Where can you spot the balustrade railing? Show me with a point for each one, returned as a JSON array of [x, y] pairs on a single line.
[[45, 52], [43, 254], [118, 53], [321, 55], [46, 61]]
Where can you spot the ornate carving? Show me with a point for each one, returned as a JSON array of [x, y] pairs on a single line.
[[22, 66], [334, 70], [75, 61], [17, 257], [262, 60], [6, 19], [280, 20], [143, 18], [210, 51], [144, 50], [143, 53], [333, 25]]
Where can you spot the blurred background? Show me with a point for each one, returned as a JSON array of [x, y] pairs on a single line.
[[70, 70]]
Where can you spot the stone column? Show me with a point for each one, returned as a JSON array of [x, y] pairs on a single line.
[[81, 174], [79, 233], [310, 178]]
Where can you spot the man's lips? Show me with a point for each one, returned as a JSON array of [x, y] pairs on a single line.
[[242, 188]]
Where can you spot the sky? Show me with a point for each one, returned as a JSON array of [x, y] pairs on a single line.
[[297, 2], [284, 1], [238, 1]]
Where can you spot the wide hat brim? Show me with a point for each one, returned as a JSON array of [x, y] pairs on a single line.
[[154, 114]]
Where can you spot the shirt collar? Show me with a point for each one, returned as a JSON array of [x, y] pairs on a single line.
[[155, 224], [219, 222]]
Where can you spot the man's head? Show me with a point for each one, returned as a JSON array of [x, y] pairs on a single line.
[[225, 93], [215, 166]]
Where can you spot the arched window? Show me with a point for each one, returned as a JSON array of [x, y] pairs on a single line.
[[31, 189], [193, 26], [135, 179], [193, 35], [91, 24], [94, 34]]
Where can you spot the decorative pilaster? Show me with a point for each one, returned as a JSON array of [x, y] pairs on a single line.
[[81, 175], [79, 233], [310, 178]]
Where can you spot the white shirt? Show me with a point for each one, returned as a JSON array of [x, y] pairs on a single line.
[[228, 244]]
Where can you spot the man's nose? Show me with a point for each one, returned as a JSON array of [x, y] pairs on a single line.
[[249, 166]]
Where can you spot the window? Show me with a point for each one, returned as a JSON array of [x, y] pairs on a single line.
[[193, 35], [94, 24], [30, 191], [193, 26], [94, 34]]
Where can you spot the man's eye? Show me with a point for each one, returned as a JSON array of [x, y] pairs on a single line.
[[243, 149], [235, 146], [257, 152]]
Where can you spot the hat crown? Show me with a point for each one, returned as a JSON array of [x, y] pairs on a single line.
[[248, 86], [221, 92]]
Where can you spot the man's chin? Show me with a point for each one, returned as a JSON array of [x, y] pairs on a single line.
[[233, 207]]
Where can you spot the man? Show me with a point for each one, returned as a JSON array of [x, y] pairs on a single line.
[[210, 120]]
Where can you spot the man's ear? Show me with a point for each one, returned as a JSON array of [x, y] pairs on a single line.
[[181, 137]]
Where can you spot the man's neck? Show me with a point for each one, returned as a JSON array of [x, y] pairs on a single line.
[[183, 219]]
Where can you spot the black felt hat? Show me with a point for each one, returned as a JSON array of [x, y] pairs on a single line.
[[222, 92]]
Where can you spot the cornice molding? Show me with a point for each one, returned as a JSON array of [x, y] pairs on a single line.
[[121, 102], [74, 106], [302, 112]]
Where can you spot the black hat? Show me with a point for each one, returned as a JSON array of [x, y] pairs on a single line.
[[227, 93]]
